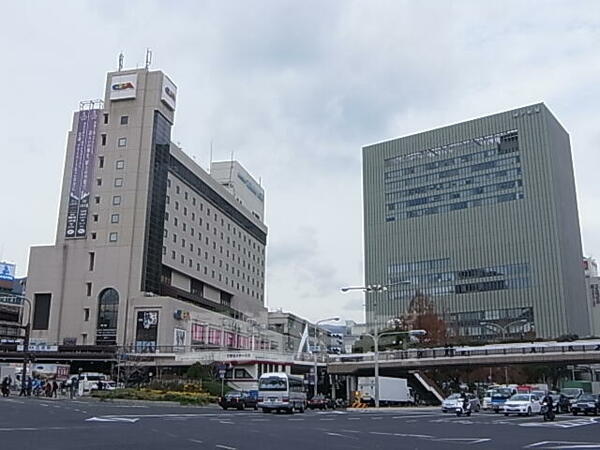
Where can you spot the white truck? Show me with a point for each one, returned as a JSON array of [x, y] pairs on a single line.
[[392, 391]]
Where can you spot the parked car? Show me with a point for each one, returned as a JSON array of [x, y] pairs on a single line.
[[487, 399], [520, 404], [455, 400], [321, 402], [587, 403], [572, 395], [238, 400]]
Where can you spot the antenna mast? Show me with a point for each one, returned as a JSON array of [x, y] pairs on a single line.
[[121, 58], [148, 58]]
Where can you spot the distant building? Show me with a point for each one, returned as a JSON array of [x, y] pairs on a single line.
[[240, 184], [10, 316], [592, 284], [292, 328], [481, 218], [150, 249]]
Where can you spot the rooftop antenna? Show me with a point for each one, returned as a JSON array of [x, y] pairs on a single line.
[[148, 58], [121, 58], [210, 162]]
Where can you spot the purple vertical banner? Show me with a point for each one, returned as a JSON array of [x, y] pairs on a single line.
[[81, 174]]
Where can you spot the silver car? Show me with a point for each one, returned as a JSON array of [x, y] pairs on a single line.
[[455, 400]]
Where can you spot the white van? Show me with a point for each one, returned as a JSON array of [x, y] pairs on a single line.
[[278, 391]]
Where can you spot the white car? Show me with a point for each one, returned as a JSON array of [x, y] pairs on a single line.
[[527, 404], [455, 400]]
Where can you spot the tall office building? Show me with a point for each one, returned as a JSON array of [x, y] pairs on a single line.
[[150, 249], [479, 221]]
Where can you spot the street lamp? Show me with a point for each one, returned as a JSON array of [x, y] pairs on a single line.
[[375, 338], [331, 319], [503, 329]]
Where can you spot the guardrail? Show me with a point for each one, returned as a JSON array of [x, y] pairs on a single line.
[[520, 348]]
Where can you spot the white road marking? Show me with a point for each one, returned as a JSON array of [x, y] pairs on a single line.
[[353, 418], [340, 435], [562, 424], [225, 447], [195, 441], [563, 445], [112, 419]]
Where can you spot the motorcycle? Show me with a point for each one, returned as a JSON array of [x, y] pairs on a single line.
[[547, 412], [464, 408]]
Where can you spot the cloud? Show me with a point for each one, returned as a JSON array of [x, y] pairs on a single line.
[[294, 90]]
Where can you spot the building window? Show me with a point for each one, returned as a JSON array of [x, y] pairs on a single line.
[[97, 199], [120, 164], [112, 237], [176, 205], [41, 311], [124, 120], [92, 260], [103, 139], [98, 181], [86, 314], [108, 311], [122, 142], [93, 235], [118, 182], [173, 254], [88, 289], [116, 200], [175, 221], [114, 218], [95, 217], [182, 259], [100, 162], [105, 118]]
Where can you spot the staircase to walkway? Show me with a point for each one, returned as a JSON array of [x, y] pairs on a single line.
[[427, 389]]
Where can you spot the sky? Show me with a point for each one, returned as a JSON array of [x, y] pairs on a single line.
[[294, 90]]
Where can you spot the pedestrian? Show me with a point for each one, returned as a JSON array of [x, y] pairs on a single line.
[[29, 386], [5, 387], [54, 389], [48, 389]]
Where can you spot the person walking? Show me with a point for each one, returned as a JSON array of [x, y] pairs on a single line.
[[54, 389], [6, 387]]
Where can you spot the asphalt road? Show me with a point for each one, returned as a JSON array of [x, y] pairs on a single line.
[[89, 425]]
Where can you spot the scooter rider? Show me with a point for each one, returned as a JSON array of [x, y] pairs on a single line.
[[549, 411]]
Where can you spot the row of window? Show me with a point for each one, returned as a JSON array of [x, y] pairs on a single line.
[[461, 146], [222, 278], [462, 171], [447, 277], [457, 183], [230, 227], [456, 206], [466, 193], [465, 288], [501, 148]]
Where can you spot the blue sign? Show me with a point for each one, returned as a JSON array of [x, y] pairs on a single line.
[[7, 271]]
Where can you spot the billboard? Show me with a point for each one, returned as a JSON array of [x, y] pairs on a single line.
[[81, 173], [168, 92], [146, 334], [123, 87], [179, 339], [7, 271]]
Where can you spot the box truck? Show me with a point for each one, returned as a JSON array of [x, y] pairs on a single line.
[[392, 391]]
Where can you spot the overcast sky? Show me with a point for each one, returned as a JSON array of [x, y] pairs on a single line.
[[294, 90]]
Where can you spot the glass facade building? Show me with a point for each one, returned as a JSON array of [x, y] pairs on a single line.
[[480, 218]]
